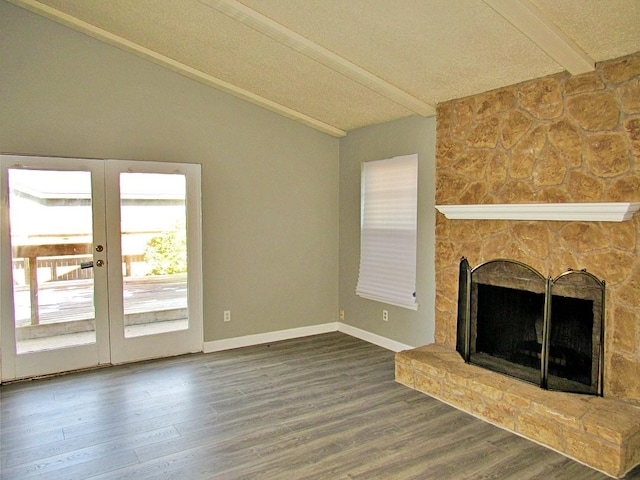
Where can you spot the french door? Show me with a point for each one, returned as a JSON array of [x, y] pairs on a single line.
[[100, 263]]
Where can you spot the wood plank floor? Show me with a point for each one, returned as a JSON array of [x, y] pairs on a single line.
[[322, 407]]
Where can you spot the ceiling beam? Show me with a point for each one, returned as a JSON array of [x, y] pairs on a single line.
[[178, 67], [303, 45], [544, 33]]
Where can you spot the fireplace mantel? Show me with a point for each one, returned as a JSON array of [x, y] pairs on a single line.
[[584, 212]]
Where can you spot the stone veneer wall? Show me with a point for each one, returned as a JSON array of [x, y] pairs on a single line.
[[560, 138]]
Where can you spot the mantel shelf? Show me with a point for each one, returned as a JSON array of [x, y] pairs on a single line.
[[582, 212]]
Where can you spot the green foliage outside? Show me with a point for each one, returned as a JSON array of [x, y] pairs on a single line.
[[166, 253]]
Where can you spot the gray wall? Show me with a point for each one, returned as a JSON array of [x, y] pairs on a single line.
[[402, 137], [270, 185], [274, 192]]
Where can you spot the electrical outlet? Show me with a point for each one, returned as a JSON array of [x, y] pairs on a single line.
[[227, 315], [385, 315], [342, 315]]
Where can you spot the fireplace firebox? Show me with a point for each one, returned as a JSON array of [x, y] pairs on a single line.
[[549, 332]]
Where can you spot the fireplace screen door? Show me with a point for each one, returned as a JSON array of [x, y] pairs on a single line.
[[545, 331]]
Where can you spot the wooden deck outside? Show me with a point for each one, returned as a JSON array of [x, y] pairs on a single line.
[[68, 300], [73, 300]]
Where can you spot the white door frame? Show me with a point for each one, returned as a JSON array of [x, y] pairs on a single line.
[[131, 349], [111, 346], [70, 358]]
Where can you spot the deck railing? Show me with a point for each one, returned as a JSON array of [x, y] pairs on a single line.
[[32, 258]]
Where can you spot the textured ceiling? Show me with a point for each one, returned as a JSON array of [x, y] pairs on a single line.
[[337, 65]]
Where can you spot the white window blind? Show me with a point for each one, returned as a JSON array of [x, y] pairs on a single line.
[[388, 231]]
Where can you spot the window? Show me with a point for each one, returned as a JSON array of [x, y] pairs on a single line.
[[388, 231]]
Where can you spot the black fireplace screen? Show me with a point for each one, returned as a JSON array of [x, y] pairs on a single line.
[[549, 332]]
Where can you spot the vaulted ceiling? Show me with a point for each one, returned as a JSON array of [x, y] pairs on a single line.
[[337, 65]]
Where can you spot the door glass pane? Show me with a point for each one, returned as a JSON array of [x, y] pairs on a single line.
[[51, 225], [154, 253]]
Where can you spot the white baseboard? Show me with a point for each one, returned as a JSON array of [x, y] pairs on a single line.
[[260, 338], [374, 338]]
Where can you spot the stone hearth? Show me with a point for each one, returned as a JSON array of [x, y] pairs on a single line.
[[602, 433]]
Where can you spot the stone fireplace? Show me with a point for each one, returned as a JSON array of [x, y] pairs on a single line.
[[560, 139]]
